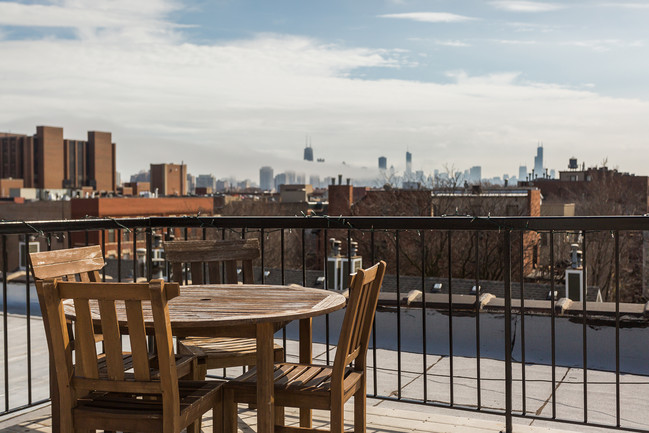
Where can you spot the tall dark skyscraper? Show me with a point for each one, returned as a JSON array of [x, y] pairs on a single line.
[[383, 163], [538, 162], [408, 164], [308, 152]]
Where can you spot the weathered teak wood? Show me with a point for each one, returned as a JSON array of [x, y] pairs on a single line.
[[84, 263], [209, 255], [224, 310], [320, 387], [115, 400]]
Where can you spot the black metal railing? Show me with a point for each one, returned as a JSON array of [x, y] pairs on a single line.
[[300, 244]]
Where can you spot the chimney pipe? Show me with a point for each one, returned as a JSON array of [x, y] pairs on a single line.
[[349, 181], [340, 179]]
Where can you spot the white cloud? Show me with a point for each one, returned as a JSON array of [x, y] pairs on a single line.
[[450, 43], [602, 45], [230, 107], [430, 17], [140, 21], [526, 6], [515, 42], [627, 5]]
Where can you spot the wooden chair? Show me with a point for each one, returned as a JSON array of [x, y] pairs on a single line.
[[83, 264], [116, 400], [320, 387], [216, 352]]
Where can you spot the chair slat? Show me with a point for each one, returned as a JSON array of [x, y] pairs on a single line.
[[214, 271], [137, 335], [212, 250], [231, 276], [246, 270], [86, 351], [197, 272], [112, 342], [57, 263], [177, 272]]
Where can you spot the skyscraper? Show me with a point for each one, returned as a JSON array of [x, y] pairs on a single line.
[[475, 174], [522, 173], [538, 162], [308, 151], [408, 165], [383, 163], [266, 178]]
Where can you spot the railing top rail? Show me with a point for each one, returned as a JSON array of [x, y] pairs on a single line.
[[639, 222]]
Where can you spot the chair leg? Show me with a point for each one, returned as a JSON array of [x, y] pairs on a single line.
[[198, 372], [217, 417], [359, 411], [279, 415], [229, 412], [337, 417]]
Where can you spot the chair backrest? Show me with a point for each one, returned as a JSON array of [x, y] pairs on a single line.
[[357, 324], [213, 253], [83, 263], [76, 381]]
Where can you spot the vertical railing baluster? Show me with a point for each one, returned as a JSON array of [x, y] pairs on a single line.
[[508, 330], [303, 258], [262, 236], [423, 315], [186, 266], [149, 254], [477, 318], [347, 278], [283, 265], [450, 319], [522, 313], [374, 369], [326, 286], [5, 325], [398, 318], [617, 328], [553, 347], [103, 250], [134, 255], [29, 322], [119, 255], [585, 327]]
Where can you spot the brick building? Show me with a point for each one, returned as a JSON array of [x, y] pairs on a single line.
[[125, 207], [169, 179], [46, 160]]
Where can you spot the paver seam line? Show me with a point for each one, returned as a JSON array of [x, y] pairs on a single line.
[[540, 409], [419, 375]]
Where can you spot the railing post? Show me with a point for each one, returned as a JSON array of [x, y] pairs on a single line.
[[149, 254], [508, 329]]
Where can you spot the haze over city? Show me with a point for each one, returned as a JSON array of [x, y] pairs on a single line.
[[227, 87]]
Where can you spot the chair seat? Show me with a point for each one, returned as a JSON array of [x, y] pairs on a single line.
[[117, 411], [184, 365], [304, 380], [221, 352]]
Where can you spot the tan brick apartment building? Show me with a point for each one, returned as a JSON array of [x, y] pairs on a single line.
[[46, 160]]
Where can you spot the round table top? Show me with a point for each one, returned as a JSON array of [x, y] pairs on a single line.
[[219, 305]]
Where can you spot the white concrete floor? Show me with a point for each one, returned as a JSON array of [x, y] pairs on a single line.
[[385, 415]]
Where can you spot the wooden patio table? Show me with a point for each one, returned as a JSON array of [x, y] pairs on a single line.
[[248, 310]]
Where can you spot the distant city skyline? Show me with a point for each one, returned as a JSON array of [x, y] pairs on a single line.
[[228, 87]]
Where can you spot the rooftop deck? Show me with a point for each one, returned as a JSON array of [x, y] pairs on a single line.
[[382, 416], [394, 416]]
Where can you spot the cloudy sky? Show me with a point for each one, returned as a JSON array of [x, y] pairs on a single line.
[[227, 86]]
